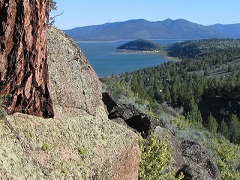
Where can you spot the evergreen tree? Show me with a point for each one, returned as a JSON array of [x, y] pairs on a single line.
[[194, 114], [212, 124], [167, 94], [223, 129], [234, 129]]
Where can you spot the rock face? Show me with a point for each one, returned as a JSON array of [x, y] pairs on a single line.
[[74, 84], [80, 142], [197, 163], [23, 58], [133, 118], [79, 147], [128, 115]]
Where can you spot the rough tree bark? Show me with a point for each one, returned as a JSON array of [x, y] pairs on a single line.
[[23, 57]]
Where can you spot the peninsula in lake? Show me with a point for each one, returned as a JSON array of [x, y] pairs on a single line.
[[139, 46]]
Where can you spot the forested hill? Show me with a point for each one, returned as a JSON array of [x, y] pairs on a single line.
[[143, 29], [140, 45], [206, 83], [205, 49]]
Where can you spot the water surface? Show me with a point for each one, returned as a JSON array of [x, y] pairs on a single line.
[[105, 61]]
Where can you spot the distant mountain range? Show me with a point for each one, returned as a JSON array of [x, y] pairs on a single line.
[[143, 29]]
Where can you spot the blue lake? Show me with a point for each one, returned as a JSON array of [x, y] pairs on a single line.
[[105, 61]]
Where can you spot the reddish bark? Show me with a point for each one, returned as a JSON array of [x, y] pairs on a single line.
[[23, 57]]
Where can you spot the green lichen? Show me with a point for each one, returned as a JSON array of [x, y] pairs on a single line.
[[45, 147], [83, 151]]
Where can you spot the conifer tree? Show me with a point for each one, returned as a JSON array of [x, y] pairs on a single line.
[[234, 129], [212, 124], [194, 114], [223, 129]]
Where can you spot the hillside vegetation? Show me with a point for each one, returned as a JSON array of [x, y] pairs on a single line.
[[206, 83], [206, 49], [204, 87]]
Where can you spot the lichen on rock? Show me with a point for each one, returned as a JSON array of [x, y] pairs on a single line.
[[80, 142], [74, 83]]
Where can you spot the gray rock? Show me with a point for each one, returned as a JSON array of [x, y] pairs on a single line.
[[198, 164], [127, 114], [73, 82], [133, 118]]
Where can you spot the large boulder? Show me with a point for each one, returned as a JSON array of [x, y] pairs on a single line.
[[80, 142], [75, 148], [73, 82]]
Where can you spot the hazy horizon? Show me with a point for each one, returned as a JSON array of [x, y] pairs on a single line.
[[146, 20]]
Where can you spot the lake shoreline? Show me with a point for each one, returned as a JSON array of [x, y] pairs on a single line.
[[161, 52], [136, 52]]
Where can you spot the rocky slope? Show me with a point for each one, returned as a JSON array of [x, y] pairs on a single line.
[[189, 157], [80, 142]]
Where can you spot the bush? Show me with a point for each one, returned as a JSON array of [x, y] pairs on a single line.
[[156, 160], [228, 159], [181, 123]]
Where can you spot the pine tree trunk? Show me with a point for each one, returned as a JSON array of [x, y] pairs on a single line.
[[23, 57]]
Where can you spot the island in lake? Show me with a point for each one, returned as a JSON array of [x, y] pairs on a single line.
[[139, 46]]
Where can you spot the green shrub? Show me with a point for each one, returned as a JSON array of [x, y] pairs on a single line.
[[228, 158], [156, 160], [181, 123]]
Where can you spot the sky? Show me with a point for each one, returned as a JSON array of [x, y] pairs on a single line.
[[79, 13]]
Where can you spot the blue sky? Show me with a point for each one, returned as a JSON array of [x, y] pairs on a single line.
[[78, 13]]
